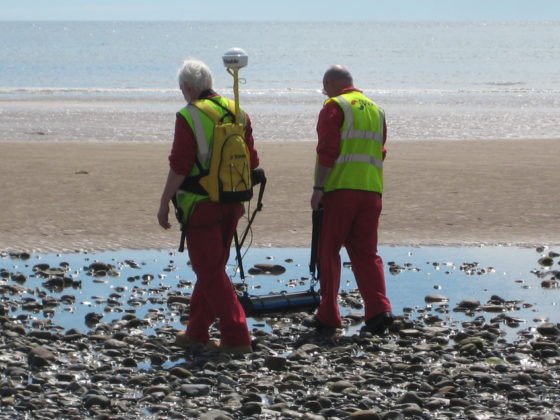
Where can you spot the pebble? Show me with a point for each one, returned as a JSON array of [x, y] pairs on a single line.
[[122, 367], [435, 298], [271, 269]]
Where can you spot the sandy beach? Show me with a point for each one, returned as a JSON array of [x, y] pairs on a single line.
[[65, 197]]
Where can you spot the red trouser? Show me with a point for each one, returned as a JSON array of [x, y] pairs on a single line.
[[350, 218], [209, 234]]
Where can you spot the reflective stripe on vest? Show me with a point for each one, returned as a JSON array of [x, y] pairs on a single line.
[[360, 158], [359, 165], [350, 132], [203, 152]]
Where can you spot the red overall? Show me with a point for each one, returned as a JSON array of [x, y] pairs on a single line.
[[350, 218], [209, 235]]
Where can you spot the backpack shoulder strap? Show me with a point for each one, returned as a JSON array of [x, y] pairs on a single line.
[[230, 106], [208, 110], [215, 115]]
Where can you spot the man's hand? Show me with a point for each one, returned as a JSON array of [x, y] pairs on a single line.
[[174, 181], [163, 216], [321, 175], [316, 199]]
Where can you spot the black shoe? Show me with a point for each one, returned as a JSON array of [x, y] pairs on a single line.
[[378, 324], [321, 327]]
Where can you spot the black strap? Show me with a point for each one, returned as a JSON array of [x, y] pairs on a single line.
[[258, 177], [317, 218], [238, 256], [183, 239], [228, 112], [191, 183], [179, 215]]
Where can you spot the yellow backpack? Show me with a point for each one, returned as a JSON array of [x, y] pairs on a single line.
[[229, 176]]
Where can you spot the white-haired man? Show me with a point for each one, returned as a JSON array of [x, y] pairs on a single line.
[[210, 227]]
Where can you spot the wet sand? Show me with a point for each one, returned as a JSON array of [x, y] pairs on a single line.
[[64, 197]]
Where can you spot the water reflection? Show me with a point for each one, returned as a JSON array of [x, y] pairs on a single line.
[[77, 291]]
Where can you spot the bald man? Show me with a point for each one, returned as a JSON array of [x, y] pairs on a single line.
[[348, 187]]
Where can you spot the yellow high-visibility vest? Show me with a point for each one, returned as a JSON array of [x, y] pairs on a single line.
[[359, 165]]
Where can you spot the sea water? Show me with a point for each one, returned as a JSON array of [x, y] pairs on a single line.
[[435, 80], [146, 279]]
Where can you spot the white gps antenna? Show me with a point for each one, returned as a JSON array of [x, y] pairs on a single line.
[[235, 59]]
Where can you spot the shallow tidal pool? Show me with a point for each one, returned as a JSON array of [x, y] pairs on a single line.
[[419, 281]]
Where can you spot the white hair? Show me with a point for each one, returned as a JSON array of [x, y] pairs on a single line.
[[195, 74]]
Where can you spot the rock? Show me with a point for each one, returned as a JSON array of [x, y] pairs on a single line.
[[459, 402], [251, 408], [180, 372], [19, 278], [179, 299], [58, 283], [14, 372], [112, 343], [539, 345], [155, 389], [469, 304], [93, 319], [129, 362], [40, 357], [549, 284], [410, 332], [275, 362], [476, 341], [97, 400], [20, 255], [268, 269], [215, 415], [435, 403], [310, 416], [435, 298], [194, 390], [313, 405], [340, 386], [41, 334], [411, 397], [493, 308], [99, 266], [546, 261], [365, 415], [548, 329], [411, 410]]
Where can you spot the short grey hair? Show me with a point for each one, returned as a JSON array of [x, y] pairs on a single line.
[[195, 74], [339, 73]]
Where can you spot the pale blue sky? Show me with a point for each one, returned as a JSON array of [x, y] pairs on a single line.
[[306, 10]]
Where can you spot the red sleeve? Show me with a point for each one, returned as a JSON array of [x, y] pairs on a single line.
[[330, 120], [183, 152], [251, 143]]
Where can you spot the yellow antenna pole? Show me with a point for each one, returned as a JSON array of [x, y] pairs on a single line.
[[236, 94]]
